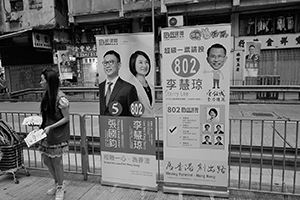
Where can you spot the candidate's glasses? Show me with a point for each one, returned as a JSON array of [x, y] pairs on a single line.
[[108, 62]]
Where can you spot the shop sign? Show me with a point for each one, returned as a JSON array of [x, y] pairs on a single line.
[[82, 50], [40, 40], [281, 41]]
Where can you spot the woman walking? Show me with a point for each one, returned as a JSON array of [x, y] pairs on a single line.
[[55, 113]]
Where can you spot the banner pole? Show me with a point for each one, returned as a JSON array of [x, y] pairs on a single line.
[[153, 31], [153, 18]]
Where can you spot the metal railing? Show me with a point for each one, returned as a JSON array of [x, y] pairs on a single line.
[[263, 154], [237, 93]]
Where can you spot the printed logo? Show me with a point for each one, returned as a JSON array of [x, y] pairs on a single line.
[[174, 35], [195, 35], [108, 42], [206, 34]]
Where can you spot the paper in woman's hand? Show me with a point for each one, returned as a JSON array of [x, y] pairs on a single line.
[[35, 136], [32, 121]]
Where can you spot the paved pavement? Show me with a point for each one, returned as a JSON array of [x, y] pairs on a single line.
[[252, 111]]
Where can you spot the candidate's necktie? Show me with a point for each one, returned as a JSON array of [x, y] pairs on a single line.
[[108, 92]]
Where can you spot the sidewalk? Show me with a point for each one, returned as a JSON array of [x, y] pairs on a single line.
[[34, 187]]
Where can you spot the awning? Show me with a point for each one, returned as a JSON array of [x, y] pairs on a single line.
[[9, 35]]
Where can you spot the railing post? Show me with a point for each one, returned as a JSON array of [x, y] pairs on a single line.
[[84, 149]]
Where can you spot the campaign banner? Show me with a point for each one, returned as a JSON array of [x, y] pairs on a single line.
[[135, 65], [252, 58], [64, 65], [195, 80], [126, 94], [128, 152]]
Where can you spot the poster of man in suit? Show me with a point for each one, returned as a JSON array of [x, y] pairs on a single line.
[[252, 58], [126, 60], [114, 88], [126, 102], [64, 65]]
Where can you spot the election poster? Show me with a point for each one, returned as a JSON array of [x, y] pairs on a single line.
[[64, 65], [252, 58], [195, 80], [126, 100], [123, 59]]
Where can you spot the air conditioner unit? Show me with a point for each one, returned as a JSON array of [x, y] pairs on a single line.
[[175, 20]]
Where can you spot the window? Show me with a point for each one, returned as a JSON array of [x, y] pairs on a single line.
[[35, 4], [16, 5]]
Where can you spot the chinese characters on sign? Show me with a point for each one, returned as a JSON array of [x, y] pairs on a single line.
[[128, 149], [81, 51], [196, 64], [126, 108], [40, 40], [132, 135], [191, 173]]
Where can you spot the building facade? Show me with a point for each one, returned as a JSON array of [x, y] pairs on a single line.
[[30, 31], [274, 23], [33, 30]]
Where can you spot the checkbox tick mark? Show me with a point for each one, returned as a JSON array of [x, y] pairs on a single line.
[[173, 129]]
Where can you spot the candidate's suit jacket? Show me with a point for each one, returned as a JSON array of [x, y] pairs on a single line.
[[123, 92], [219, 132], [253, 57], [204, 142], [143, 98]]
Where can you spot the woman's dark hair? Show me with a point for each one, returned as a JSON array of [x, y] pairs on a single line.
[[213, 110], [48, 103], [132, 61]]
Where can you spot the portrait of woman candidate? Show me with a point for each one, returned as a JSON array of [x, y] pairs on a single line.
[[140, 66], [213, 115]]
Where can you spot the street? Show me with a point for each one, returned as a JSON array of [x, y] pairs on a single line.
[[243, 111]]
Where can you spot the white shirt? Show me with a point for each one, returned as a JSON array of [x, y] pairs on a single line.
[[112, 86]]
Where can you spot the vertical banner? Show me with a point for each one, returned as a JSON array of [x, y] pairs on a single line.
[[196, 77], [64, 65], [252, 55], [127, 122], [238, 67]]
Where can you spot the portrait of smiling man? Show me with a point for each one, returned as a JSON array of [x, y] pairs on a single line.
[[216, 57], [113, 88]]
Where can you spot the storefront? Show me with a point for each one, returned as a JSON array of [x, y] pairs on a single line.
[[278, 32]]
